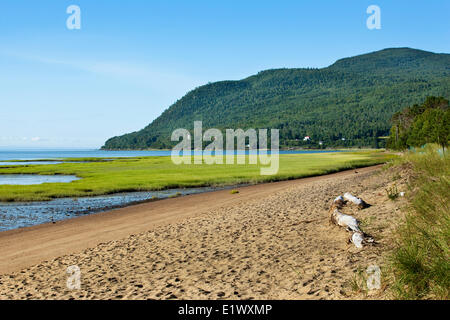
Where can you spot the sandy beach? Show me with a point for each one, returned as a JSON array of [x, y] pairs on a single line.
[[269, 241]]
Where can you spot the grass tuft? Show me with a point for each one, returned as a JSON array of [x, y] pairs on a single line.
[[392, 192]]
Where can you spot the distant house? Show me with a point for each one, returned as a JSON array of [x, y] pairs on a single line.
[[307, 138]]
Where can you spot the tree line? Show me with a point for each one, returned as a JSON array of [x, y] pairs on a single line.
[[420, 124]]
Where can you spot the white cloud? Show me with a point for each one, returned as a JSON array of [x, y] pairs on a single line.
[[142, 73]]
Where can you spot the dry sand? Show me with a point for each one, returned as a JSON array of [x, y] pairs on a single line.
[[269, 241]]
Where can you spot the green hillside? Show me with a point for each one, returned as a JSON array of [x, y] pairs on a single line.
[[349, 103]]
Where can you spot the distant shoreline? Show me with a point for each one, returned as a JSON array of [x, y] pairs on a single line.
[[281, 149]]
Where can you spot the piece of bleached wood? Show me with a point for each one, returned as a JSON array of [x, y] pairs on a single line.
[[357, 239], [360, 239], [358, 201], [344, 220], [339, 201]]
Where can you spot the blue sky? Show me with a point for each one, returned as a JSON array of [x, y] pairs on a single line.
[[130, 60]]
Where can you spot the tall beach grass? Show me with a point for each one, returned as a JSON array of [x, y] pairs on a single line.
[[421, 261]]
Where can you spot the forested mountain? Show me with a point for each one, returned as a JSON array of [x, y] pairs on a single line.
[[349, 103]]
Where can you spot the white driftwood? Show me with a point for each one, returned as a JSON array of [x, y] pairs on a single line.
[[358, 201], [357, 239], [349, 197], [339, 201], [345, 221]]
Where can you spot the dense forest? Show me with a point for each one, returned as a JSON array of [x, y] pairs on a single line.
[[418, 125], [347, 104]]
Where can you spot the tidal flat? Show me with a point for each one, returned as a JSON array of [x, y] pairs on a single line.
[[140, 174]]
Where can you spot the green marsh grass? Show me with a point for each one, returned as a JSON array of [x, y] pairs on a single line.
[[158, 173]]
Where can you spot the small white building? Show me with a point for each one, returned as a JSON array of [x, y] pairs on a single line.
[[307, 138]]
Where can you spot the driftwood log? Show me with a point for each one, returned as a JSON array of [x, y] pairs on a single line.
[[339, 202], [358, 201], [344, 220], [358, 238]]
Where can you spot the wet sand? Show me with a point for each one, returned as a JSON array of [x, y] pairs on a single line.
[[269, 241]]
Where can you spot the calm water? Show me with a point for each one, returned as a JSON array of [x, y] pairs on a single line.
[[27, 163], [25, 214], [58, 154], [28, 179]]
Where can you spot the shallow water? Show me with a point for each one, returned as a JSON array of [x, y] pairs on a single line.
[[29, 179], [27, 163], [59, 154], [25, 214]]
